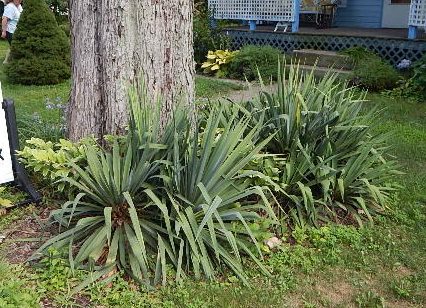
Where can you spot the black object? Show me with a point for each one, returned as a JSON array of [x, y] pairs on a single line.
[[21, 178], [1, 9], [326, 17]]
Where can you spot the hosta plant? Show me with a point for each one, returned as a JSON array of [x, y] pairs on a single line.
[[217, 62], [166, 203], [51, 161]]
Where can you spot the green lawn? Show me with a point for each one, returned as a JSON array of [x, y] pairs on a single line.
[[31, 99], [336, 266]]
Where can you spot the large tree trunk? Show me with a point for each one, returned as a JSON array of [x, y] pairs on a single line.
[[116, 42]]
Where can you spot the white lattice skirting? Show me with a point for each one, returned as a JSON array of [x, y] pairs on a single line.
[[418, 13], [394, 50], [267, 10]]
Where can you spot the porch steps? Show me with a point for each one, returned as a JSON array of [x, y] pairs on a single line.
[[323, 58], [322, 71]]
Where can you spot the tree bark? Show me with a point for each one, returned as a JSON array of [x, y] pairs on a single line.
[[116, 42]]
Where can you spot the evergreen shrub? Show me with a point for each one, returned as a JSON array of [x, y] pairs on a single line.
[[371, 71], [66, 28], [254, 60], [40, 51]]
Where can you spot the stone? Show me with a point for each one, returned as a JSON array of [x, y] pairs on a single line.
[[273, 242]]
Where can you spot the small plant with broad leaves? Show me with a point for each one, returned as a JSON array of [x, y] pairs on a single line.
[[52, 161], [4, 200], [17, 288], [370, 299], [218, 61]]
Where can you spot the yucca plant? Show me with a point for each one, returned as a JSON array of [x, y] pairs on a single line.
[[104, 221], [333, 166], [210, 196], [113, 222], [165, 198]]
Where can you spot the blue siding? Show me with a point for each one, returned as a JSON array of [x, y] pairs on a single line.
[[360, 14]]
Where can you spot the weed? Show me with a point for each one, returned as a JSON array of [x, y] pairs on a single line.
[[370, 299], [119, 293], [15, 288], [400, 289]]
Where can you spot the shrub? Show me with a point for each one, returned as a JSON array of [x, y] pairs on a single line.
[[254, 60], [375, 74], [413, 86], [419, 78], [331, 165], [40, 51], [60, 8], [371, 71], [66, 28], [159, 202], [358, 54]]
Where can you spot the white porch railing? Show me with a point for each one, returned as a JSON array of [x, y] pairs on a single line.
[[266, 10], [417, 13], [417, 17]]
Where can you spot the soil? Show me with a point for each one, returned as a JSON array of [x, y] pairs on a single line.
[[339, 293], [252, 91], [25, 236]]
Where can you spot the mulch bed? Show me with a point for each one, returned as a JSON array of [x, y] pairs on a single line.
[[25, 236]]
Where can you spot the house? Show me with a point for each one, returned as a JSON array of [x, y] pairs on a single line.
[[392, 28]]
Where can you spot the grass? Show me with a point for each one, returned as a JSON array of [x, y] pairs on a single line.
[[207, 87], [335, 266], [32, 99]]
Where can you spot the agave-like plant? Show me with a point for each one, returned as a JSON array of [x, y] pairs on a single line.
[[210, 197], [165, 197], [333, 164]]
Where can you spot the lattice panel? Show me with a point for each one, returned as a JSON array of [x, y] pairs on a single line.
[[267, 10], [417, 13], [394, 50]]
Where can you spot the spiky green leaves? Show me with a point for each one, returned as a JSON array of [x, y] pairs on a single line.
[[164, 206], [332, 164]]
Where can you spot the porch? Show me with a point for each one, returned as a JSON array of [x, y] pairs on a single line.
[[391, 44], [339, 31], [291, 14]]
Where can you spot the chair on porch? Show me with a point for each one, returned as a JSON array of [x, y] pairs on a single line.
[[326, 16], [283, 11], [320, 12]]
